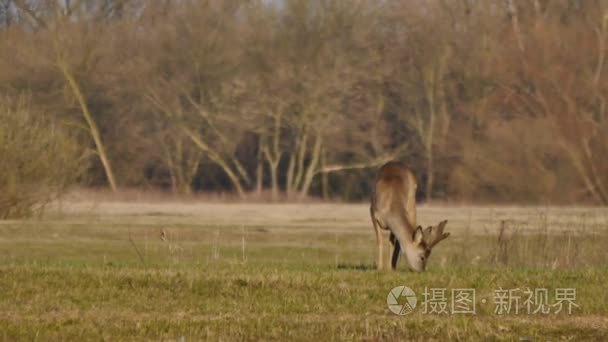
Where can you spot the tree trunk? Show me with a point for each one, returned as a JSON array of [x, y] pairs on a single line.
[[99, 146], [234, 179], [275, 181], [512, 7], [430, 175], [430, 90], [236, 182], [324, 177], [312, 166], [259, 172], [300, 167], [290, 176], [273, 165], [172, 175]]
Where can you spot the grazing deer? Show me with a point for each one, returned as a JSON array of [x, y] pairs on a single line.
[[393, 208]]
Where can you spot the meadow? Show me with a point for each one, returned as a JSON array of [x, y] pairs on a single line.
[[181, 271]]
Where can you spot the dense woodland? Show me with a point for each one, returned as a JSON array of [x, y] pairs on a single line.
[[500, 101]]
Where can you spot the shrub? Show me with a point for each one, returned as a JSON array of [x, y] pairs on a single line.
[[39, 160]]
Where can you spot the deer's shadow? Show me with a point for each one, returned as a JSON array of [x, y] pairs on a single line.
[[359, 267]]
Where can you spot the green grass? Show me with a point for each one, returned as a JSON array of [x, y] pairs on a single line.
[[272, 272]]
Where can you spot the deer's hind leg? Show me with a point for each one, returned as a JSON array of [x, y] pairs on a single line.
[[395, 250]]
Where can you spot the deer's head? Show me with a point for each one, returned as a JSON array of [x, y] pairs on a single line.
[[423, 241]]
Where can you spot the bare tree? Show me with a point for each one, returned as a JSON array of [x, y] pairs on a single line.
[[73, 51], [568, 87], [199, 91]]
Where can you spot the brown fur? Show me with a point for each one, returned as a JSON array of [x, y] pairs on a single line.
[[393, 207]]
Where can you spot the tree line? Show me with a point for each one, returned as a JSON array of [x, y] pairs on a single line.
[[488, 101]]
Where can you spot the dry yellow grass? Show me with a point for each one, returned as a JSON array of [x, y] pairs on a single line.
[[102, 269], [479, 219]]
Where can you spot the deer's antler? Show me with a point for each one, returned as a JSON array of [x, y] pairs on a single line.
[[434, 235]]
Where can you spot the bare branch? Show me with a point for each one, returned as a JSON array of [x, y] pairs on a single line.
[[29, 13]]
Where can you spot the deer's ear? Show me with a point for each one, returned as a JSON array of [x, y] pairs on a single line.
[[418, 235]]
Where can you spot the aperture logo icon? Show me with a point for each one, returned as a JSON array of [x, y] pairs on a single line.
[[401, 300]]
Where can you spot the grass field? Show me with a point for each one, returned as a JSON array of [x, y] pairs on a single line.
[[192, 271]]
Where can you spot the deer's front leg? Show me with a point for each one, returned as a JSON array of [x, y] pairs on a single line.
[[379, 243]]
